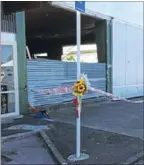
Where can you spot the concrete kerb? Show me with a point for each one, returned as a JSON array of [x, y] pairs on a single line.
[[18, 136], [131, 160], [5, 156], [56, 154]]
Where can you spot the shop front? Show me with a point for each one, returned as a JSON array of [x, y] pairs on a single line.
[[9, 77]]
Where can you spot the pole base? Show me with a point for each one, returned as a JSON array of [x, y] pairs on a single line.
[[73, 158]]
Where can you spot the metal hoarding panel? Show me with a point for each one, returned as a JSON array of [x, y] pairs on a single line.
[[46, 74]]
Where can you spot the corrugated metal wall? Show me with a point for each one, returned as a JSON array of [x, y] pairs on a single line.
[[45, 74]]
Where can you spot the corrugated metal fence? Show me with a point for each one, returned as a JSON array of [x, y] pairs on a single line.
[[45, 74]]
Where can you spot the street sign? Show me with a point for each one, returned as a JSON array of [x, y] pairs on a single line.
[[80, 6]]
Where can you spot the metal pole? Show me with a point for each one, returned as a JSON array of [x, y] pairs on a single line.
[[78, 39]]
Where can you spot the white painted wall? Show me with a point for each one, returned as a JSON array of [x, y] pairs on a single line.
[[8, 37], [131, 12], [127, 59]]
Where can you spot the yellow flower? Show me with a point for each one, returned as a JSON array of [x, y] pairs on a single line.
[[81, 81], [76, 84], [81, 88]]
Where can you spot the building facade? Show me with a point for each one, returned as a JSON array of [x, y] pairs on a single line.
[[124, 52], [126, 55]]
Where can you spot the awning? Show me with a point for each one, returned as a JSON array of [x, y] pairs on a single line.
[[8, 64]]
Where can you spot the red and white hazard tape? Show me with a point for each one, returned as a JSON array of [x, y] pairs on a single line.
[[33, 108], [114, 97], [59, 90], [64, 90]]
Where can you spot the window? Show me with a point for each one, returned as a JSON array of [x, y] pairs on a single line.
[[7, 78]]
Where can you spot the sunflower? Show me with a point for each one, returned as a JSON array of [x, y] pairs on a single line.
[[81, 81], [76, 84], [81, 88]]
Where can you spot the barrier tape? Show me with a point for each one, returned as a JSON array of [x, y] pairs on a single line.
[[75, 101], [59, 90], [33, 108], [110, 95], [64, 90]]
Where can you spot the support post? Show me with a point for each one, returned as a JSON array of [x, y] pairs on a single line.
[[78, 40], [78, 156], [22, 61]]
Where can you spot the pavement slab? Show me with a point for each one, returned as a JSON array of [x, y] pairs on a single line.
[[30, 150], [25, 124]]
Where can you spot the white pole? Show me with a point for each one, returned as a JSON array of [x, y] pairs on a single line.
[[78, 39]]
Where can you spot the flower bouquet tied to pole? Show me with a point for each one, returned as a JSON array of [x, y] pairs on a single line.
[[79, 89], [81, 86]]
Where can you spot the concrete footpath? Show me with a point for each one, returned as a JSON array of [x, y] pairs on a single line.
[[21, 143], [30, 150]]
